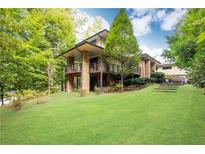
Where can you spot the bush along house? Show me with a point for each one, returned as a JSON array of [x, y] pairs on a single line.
[[87, 67]]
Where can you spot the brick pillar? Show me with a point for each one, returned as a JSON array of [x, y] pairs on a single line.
[[70, 83], [85, 74], [147, 69], [143, 68]]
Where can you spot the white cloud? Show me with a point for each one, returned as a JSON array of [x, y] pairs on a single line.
[[141, 12], [155, 53], [160, 15], [172, 19], [143, 18], [141, 26]]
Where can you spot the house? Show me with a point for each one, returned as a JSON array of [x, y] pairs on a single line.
[[176, 74], [87, 67]]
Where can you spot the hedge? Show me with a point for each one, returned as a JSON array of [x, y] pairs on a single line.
[[138, 81]]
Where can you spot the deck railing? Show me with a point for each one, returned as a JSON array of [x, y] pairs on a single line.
[[94, 67]]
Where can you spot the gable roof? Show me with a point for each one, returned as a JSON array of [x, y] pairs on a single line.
[[104, 31], [145, 55]]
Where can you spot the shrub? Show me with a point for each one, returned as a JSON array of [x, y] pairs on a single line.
[[135, 81], [28, 94], [42, 98], [158, 76], [54, 89], [149, 80], [119, 86], [17, 104], [98, 90], [83, 93]]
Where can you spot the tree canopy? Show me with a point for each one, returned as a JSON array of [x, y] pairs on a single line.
[[187, 45], [30, 38], [121, 46]]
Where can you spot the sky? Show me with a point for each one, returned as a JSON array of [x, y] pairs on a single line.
[[150, 26]]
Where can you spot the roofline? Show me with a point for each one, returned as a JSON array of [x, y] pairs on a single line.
[[168, 64], [93, 36], [151, 57], [78, 45]]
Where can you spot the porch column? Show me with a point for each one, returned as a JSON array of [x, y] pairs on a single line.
[[147, 69], [143, 68], [85, 74], [70, 83]]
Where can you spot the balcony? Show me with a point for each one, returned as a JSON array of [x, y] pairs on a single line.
[[74, 68], [94, 67]]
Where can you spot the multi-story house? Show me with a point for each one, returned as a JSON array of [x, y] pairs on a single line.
[[87, 67], [171, 69]]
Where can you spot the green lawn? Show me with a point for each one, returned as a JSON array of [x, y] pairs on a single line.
[[137, 117]]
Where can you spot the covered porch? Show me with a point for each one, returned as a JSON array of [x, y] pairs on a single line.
[[85, 67]]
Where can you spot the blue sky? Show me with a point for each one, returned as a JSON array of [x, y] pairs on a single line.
[[151, 26]]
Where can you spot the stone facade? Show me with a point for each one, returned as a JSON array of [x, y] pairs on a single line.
[[147, 68], [85, 74]]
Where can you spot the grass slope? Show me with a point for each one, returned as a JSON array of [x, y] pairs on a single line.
[[137, 117]]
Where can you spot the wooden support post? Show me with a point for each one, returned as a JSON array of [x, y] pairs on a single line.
[[101, 73]]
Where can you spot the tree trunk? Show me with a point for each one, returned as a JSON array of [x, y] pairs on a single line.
[[49, 78], [2, 95]]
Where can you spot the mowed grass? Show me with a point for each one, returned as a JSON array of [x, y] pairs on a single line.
[[137, 117]]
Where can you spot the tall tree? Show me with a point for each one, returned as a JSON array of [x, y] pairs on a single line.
[[121, 46], [86, 25], [31, 39], [187, 45]]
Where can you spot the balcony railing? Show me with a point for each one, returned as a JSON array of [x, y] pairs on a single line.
[[94, 67], [76, 67]]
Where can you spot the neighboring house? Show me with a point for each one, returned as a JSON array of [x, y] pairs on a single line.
[[176, 74], [87, 67]]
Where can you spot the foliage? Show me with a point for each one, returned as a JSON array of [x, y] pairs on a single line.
[[17, 104], [85, 26], [119, 86], [121, 46], [158, 76], [197, 71], [55, 89], [98, 90], [138, 81], [42, 97], [187, 45], [83, 93], [28, 94], [32, 38]]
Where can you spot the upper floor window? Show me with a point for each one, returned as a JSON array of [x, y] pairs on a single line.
[[166, 67], [94, 41]]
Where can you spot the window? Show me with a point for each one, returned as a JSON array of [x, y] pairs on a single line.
[[166, 67], [93, 42]]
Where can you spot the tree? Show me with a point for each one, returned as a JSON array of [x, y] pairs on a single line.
[[121, 46], [31, 39], [85, 25], [187, 45]]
